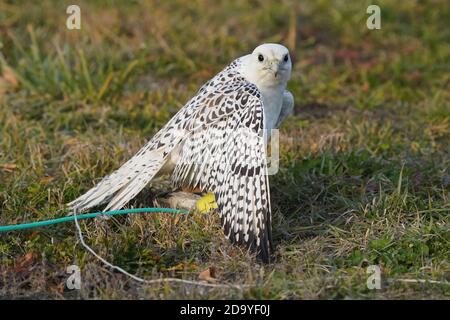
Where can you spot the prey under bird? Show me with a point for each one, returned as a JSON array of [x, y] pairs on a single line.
[[214, 143]]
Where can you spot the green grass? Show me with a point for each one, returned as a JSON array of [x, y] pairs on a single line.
[[364, 176]]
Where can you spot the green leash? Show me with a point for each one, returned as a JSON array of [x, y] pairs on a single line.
[[87, 216]]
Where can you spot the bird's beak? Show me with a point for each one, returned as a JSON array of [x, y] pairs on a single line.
[[275, 67]]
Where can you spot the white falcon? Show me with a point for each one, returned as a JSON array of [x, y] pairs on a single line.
[[214, 142]]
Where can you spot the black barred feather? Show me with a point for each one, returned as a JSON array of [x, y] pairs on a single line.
[[222, 151]]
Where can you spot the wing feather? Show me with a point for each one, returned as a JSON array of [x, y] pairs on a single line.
[[226, 154], [222, 150]]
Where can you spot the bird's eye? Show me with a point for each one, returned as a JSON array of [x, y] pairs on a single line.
[[261, 58], [286, 58]]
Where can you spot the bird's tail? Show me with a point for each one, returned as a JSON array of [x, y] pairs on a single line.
[[126, 182]]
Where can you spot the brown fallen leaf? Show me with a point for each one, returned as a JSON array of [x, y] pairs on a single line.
[[208, 275], [9, 167], [24, 263]]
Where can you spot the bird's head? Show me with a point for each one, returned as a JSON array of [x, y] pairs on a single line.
[[268, 65]]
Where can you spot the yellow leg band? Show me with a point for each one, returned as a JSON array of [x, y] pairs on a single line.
[[206, 203]]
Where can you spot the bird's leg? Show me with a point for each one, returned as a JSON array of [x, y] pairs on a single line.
[[192, 189], [206, 203]]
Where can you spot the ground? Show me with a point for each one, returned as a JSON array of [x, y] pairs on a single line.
[[364, 177]]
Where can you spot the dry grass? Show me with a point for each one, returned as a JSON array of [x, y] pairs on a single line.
[[365, 160]]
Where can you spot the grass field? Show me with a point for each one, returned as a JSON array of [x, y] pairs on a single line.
[[364, 176]]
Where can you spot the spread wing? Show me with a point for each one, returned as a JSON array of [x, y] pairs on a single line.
[[225, 153], [220, 132]]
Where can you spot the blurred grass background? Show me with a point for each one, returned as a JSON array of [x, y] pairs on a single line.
[[364, 176]]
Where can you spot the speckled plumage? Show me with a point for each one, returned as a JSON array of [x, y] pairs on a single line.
[[220, 147]]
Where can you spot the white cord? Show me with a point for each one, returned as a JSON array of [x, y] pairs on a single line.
[[153, 281]]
